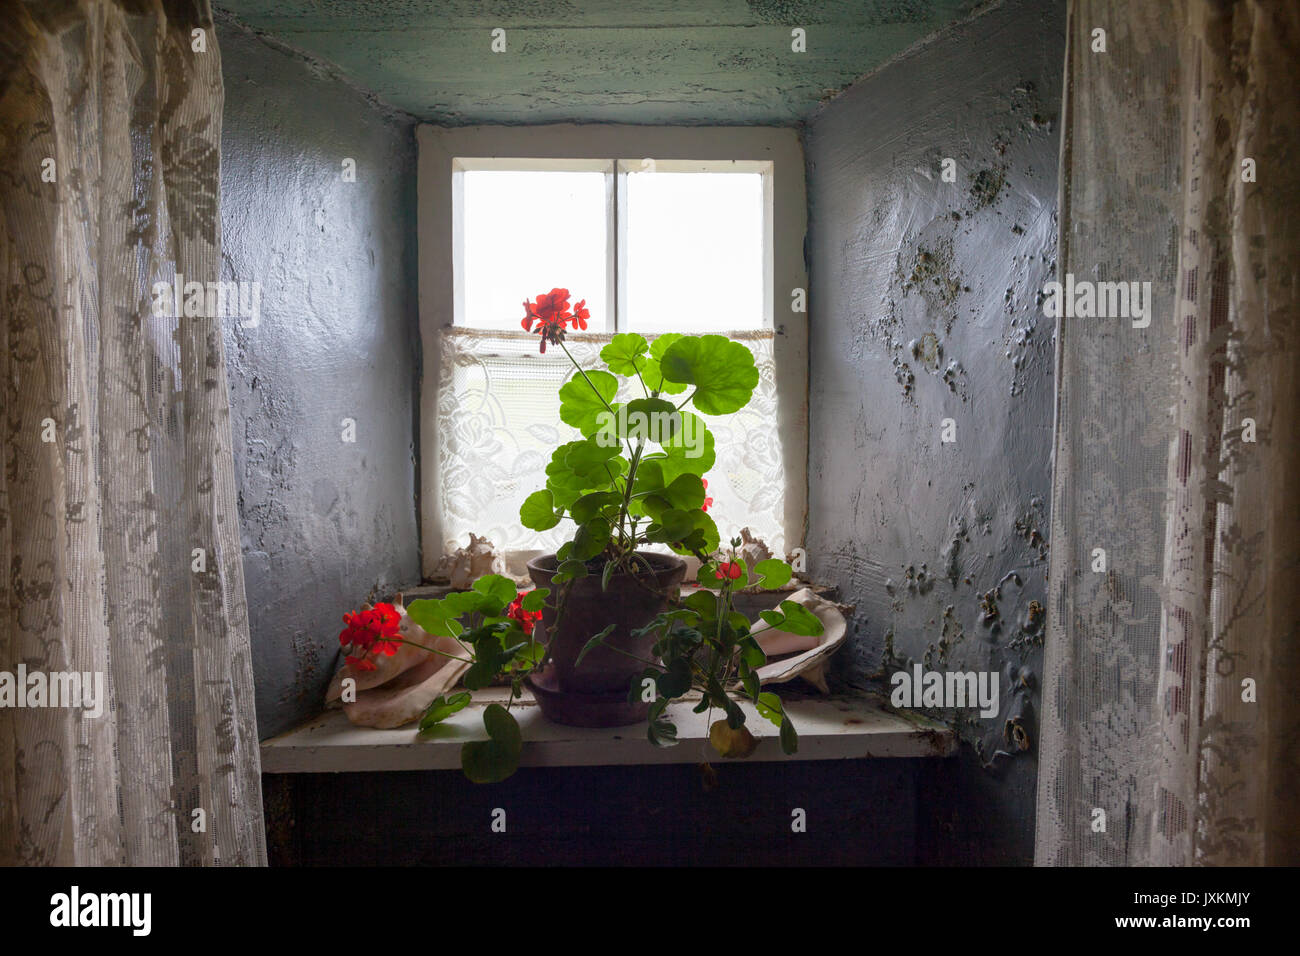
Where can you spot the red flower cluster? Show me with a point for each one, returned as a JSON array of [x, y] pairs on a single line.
[[727, 570], [551, 313], [526, 619], [707, 500], [372, 629]]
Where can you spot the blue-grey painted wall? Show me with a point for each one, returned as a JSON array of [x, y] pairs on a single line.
[[323, 520], [924, 307]]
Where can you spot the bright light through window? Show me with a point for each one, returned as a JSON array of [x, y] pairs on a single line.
[[695, 252], [526, 232]]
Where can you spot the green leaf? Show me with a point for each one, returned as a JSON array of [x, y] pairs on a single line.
[[538, 511], [480, 674], [776, 573], [722, 371], [652, 372], [751, 654], [588, 506], [435, 617], [691, 450], [789, 737], [799, 620], [673, 525], [587, 459], [582, 399], [661, 344], [535, 599], [625, 354], [651, 419], [500, 589], [494, 759], [568, 483], [750, 682], [443, 707], [591, 644], [676, 680], [704, 603], [607, 574], [703, 539], [686, 492], [568, 570], [529, 656], [590, 539], [769, 706]]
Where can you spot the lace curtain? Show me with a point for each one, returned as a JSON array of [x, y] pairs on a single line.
[[119, 534], [1173, 650], [499, 420]]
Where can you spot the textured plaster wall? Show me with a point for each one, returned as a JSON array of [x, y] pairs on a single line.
[[323, 520], [925, 307]]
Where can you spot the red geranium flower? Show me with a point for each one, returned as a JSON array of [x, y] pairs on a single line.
[[707, 500], [581, 315], [371, 630], [551, 313], [727, 570], [527, 619]]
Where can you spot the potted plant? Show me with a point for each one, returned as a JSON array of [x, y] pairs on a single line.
[[604, 638]]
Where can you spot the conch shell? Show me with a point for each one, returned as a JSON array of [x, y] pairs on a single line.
[[464, 566], [752, 549], [811, 654], [401, 687]]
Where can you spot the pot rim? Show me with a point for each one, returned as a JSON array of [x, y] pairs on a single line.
[[664, 563]]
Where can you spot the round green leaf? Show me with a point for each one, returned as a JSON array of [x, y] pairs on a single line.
[[538, 511], [691, 449], [494, 759], [776, 573], [799, 620], [590, 539], [500, 589], [722, 371], [583, 398], [625, 354]]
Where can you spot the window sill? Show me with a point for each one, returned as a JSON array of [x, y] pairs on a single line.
[[830, 728]]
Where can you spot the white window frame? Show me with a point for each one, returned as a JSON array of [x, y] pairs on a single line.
[[445, 153]]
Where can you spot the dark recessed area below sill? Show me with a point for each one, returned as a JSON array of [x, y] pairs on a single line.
[[337, 794]]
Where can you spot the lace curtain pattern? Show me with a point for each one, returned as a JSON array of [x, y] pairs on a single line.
[[1173, 650], [499, 420], [119, 536]]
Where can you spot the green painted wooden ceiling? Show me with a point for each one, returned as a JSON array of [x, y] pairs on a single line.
[[626, 61]]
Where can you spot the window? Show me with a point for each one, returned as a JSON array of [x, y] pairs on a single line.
[[687, 241], [621, 234]]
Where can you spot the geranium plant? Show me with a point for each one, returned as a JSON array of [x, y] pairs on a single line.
[[704, 644], [634, 477]]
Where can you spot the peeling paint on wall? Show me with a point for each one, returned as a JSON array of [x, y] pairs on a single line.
[[926, 310]]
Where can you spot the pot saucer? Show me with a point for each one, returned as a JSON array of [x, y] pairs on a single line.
[[583, 710]]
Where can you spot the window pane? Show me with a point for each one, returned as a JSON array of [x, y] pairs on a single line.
[[527, 232], [694, 251]]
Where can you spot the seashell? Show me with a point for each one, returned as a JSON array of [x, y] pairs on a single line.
[[464, 566], [752, 549], [401, 687], [811, 654]]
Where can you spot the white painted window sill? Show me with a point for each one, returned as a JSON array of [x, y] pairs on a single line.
[[830, 728]]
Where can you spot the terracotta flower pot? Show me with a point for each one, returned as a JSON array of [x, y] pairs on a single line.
[[594, 693]]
